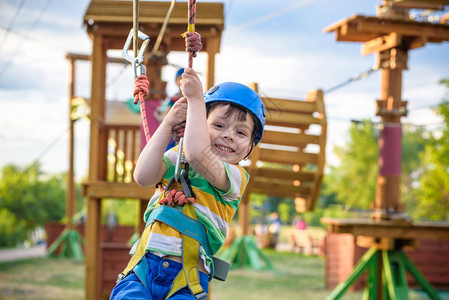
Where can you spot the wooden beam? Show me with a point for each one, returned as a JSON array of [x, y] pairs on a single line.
[[151, 12], [363, 29], [289, 139], [285, 174], [382, 43], [388, 229], [420, 4], [284, 105], [103, 189], [281, 190], [290, 119], [287, 157], [93, 263], [414, 29]]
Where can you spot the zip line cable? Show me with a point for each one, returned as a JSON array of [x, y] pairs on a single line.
[[271, 16], [52, 144], [8, 29], [8, 63], [54, 46], [352, 79]]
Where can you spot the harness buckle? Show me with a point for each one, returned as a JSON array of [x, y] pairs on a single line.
[[120, 277], [201, 296]]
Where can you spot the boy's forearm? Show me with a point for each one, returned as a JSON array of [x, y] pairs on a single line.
[[150, 167], [196, 134]]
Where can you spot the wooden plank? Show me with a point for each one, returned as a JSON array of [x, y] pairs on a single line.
[[285, 174], [407, 28], [291, 119], [289, 139], [388, 229], [362, 29], [381, 43], [281, 190], [103, 189], [421, 4], [152, 12], [287, 157], [281, 105]]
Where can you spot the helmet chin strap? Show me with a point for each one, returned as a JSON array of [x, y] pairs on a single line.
[[250, 150]]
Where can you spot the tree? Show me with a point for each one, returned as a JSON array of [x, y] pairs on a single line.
[[353, 183], [432, 194], [28, 199]]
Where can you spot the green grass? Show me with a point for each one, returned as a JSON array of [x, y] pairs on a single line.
[[42, 278], [294, 277]]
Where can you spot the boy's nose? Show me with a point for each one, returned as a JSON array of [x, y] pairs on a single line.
[[228, 135]]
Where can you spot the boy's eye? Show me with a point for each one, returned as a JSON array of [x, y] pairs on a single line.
[[239, 132], [218, 125]]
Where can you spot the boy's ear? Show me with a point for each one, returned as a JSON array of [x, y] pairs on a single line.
[[250, 150]]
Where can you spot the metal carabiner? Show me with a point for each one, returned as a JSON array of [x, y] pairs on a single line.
[[136, 61]]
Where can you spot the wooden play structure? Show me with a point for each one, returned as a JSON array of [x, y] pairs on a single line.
[[390, 35], [108, 24], [289, 162]]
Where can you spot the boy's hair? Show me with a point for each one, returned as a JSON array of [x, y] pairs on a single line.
[[233, 108]]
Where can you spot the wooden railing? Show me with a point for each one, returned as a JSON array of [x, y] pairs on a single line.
[[123, 148]]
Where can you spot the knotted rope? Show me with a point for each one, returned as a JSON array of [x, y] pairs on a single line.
[[175, 197], [193, 45], [140, 92]]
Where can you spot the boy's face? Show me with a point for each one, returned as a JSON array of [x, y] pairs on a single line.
[[231, 138]]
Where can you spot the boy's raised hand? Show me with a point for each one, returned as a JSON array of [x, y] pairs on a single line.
[[191, 86], [177, 114]]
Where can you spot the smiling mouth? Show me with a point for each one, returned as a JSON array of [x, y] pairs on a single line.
[[224, 149]]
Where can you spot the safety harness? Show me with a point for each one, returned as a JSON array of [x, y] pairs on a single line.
[[176, 208], [194, 235]]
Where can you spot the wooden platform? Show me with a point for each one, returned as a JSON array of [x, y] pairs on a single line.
[[389, 229], [342, 253], [114, 18], [380, 34]]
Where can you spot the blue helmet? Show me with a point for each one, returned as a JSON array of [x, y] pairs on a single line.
[[179, 72], [242, 95]]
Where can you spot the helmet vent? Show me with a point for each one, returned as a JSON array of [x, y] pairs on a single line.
[[213, 89]]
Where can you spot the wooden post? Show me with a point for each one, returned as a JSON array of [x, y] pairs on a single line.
[[244, 212], [70, 201], [390, 108], [92, 281], [213, 48]]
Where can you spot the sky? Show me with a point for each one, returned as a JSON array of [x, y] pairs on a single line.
[[278, 44]]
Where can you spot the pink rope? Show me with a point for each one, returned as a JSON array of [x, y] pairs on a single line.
[[193, 39], [140, 92]]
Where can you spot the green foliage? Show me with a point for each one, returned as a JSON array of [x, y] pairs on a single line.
[[431, 197], [125, 210], [28, 199], [12, 231], [353, 182]]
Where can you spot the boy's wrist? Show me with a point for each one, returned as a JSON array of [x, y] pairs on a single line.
[[166, 127], [196, 99]]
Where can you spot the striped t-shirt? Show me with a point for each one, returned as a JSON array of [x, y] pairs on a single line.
[[214, 208]]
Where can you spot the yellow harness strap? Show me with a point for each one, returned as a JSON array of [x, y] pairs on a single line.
[[189, 275], [140, 251]]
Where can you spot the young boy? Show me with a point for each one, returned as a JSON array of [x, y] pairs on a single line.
[[222, 127]]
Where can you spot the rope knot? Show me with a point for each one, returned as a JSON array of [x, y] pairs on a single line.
[[140, 88], [178, 131], [175, 197], [193, 42]]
